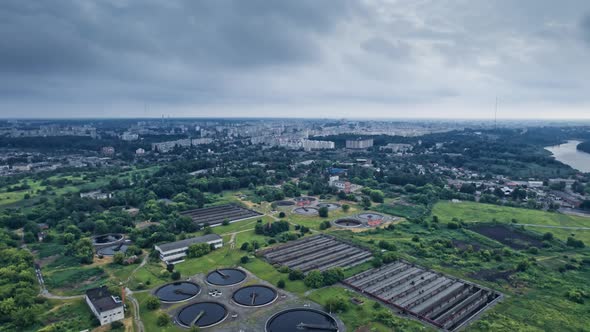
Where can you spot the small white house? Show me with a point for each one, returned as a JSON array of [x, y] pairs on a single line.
[[174, 252], [104, 306]]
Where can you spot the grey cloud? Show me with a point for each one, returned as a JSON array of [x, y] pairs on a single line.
[[396, 49], [184, 53]]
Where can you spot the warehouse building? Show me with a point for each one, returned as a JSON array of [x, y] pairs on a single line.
[[174, 252]]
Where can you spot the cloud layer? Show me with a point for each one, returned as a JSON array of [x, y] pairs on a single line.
[[307, 58]]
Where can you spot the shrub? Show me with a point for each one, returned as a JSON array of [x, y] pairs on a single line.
[[281, 284], [325, 225], [345, 207], [376, 262], [296, 275], [453, 225], [323, 212], [245, 246], [244, 259], [163, 319], [282, 214], [116, 325], [571, 242], [336, 304], [332, 276], [314, 279], [548, 236], [152, 302], [175, 275]]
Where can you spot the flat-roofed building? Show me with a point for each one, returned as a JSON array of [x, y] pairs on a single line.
[[359, 143], [106, 307], [174, 252]]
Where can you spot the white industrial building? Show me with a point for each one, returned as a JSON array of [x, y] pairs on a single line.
[[174, 252], [104, 306]]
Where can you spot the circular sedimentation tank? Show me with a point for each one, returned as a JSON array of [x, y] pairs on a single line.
[[306, 211], [285, 203], [330, 206], [202, 314], [348, 222], [112, 250], [226, 277], [370, 216], [106, 239], [254, 296], [178, 291], [304, 319]]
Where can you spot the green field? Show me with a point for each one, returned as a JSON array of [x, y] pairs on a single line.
[[472, 212], [363, 315]]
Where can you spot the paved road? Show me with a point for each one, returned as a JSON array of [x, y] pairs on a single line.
[[136, 315], [558, 227]]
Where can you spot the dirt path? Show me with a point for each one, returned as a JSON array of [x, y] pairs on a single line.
[[136, 315]]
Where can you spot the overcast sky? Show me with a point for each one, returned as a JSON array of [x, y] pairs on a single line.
[[302, 58]]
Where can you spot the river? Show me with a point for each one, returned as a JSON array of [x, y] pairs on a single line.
[[569, 155]]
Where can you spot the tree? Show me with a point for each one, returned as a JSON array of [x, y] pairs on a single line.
[[345, 207], [314, 279], [282, 214], [119, 258], [377, 196], [366, 202], [548, 236], [336, 304], [152, 302], [571, 242], [163, 319], [323, 212], [245, 246], [296, 275], [175, 275], [198, 250], [332, 276], [281, 284], [170, 267], [225, 222], [244, 259]]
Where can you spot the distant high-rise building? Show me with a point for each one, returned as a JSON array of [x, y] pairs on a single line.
[[359, 143]]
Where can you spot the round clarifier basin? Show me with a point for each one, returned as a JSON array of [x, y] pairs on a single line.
[[297, 320], [105, 239], [306, 211], [370, 216], [348, 222], [202, 314], [330, 206], [178, 291], [226, 277], [112, 250], [285, 203], [254, 296]]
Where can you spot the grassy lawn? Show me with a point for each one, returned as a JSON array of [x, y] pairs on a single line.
[[69, 315], [477, 212], [74, 280], [265, 271], [363, 315], [150, 317]]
